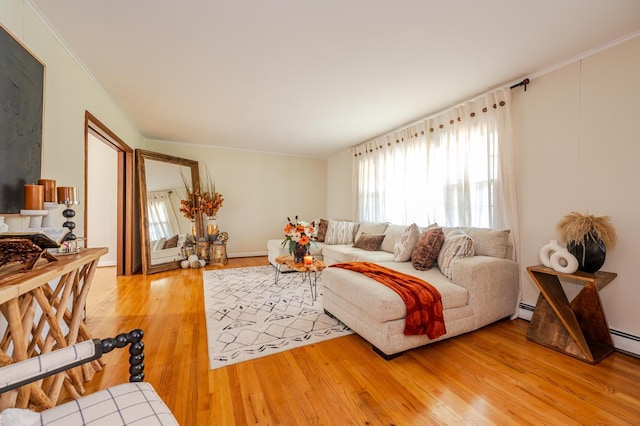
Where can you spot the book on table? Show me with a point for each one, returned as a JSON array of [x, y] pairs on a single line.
[[42, 237]]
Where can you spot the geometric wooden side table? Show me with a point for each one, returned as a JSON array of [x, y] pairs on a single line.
[[578, 327]]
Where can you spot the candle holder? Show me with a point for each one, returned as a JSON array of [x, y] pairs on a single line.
[[67, 195]]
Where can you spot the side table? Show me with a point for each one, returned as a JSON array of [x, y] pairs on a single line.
[[578, 327], [306, 270]]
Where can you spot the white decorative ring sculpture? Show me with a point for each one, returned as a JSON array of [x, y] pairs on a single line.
[[547, 250], [563, 261]]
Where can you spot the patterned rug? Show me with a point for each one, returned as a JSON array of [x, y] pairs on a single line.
[[249, 316]]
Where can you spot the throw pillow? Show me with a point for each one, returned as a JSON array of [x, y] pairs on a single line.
[[404, 246], [159, 244], [322, 230], [376, 228], [427, 247], [456, 246], [172, 242], [369, 242], [340, 232]]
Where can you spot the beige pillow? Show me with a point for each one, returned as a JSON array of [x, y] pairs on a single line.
[[426, 250], [456, 246], [372, 228], [340, 232], [404, 246], [369, 242]]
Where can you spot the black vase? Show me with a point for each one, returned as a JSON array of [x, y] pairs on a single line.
[[299, 251], [590, 253]]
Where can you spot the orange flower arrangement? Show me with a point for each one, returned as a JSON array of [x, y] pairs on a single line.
[[209, 201], [298, 232]]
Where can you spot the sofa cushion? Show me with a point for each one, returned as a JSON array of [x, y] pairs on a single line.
[[427, 248], [376, 228], [391, 236], [381, 302], [340, 232], [490, 242], [369, 242], [404, 246], [457, 245], [348, 253], [321, 235]]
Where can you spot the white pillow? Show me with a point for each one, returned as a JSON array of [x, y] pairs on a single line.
[[159, 245], [340, 232], [456, 245], [404, 246]]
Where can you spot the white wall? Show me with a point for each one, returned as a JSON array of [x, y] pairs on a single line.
[[69, 92], [577, 134], [102, 184], [260, 191]]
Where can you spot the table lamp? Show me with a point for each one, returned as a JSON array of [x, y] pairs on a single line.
[[67, 195]]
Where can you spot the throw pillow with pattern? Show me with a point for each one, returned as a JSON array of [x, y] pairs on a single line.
[[456, 246], [427, 248], [405, 244]]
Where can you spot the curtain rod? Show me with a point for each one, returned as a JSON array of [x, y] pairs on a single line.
[[522, 83]]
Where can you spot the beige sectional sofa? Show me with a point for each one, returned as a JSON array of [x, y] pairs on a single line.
[[482, 288]]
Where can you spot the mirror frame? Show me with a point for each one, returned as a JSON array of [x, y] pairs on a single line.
[[141, 157]]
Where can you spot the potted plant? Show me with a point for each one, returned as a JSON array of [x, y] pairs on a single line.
[[588, 238]]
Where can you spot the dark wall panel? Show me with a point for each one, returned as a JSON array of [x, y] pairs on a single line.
[[21, 105]]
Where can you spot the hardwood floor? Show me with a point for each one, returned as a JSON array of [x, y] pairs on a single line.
[[491, 376]]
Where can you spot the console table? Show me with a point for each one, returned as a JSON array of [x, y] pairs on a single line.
[[44, 309], [578, 328]]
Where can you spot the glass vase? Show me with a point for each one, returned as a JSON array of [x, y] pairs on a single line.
[[212, 228], [298, 253]]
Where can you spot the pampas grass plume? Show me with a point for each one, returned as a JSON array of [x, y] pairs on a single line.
[[576, 226]]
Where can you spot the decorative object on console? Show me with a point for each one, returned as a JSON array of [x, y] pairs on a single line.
[[33, 197], [22, 250], [297, 236], [3, 226], [49, 186], [587, 237], [67, 195], [553, 255]]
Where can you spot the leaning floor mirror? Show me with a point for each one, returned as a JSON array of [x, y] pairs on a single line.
[[162, 181]]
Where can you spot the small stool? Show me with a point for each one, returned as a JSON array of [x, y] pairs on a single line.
[[218, 254]]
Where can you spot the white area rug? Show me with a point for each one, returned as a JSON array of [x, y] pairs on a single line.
[[249, 316]]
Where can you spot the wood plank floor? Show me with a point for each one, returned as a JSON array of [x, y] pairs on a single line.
[[491, 376]]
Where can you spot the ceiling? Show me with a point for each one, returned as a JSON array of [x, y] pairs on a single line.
[[314, 77]]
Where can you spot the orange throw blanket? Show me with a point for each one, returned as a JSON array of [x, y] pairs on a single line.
[[423, 301]]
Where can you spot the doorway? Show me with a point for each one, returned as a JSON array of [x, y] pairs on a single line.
[[114, 188]]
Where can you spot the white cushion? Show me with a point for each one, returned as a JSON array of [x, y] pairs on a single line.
[[391, 235], [129, 403], [404, 245], [340, 232]]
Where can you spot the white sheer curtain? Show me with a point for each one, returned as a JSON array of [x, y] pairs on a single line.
[[455, 169], [159, 210]]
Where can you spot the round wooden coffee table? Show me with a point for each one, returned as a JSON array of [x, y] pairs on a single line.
[[306, 270]]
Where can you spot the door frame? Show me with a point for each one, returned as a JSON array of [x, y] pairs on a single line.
[[125, 201]]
